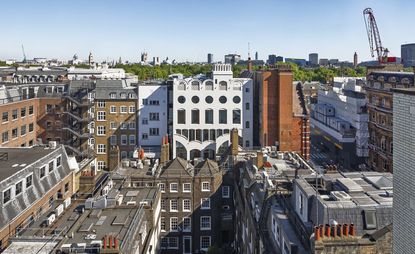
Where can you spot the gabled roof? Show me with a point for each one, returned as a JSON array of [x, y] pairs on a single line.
[[176, 168], [207, 168]]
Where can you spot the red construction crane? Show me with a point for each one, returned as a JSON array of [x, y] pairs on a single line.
[[374, 38]]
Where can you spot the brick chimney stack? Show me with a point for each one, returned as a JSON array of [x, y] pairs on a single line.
[[249, 64], [234, 141]]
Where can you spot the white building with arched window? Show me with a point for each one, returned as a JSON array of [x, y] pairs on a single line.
[[205, 110]]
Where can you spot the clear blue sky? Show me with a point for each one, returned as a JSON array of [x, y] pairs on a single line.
[[189, 29]]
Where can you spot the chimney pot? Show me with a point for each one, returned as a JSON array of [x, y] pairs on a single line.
[[339, 230], [352, 230], [328, 230], [116, 243], [346, 230], [322, 231], [334, 230], [110, 242], [105, 242], [317, 233]]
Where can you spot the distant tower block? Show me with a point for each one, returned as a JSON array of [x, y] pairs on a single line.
[[210, 58], [144, 57], [256, 56], [90, 59], [355, 59]]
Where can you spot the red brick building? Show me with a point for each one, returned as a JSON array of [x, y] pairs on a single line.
[[281, 115]]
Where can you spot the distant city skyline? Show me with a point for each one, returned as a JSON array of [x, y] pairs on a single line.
[[189, 30]]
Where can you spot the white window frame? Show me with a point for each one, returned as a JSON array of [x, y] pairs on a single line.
[[101, 116], [101, 130], [202, 202], [113, 109], [202, 228], [176, 189], [124, 140], [131, 140], [21, 190], [113, 140], [161, 224], [101, 149], [123, 109], [187, 190], [187, 229], [189, 205], [101, 104], [2, 195], [131, 109], [172, 206], [101, 165], [226, 192], [131, 125], [210, 242], [113, 125], [172, 220], [204, 189], [163, 209], [162, 187]]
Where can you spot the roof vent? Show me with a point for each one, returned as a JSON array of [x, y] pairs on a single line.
[[340, 195]]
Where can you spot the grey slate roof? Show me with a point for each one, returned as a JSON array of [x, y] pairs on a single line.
[[35, 158]]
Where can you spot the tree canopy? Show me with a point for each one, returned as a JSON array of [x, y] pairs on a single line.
[[322, 74]]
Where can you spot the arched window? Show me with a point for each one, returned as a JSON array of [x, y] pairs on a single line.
[[236, 116], [223, 116], [131, 95], [209, 116], [181, 116], [181, 150], [181, 86], [195, 85], [195, 116], [209, 85], [123, 95], [223, 85]]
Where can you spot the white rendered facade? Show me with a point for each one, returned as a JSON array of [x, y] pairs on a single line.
[[200, 124], [349, 104], [152, 114]]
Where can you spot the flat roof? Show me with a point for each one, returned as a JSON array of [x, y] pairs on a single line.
[[409, 91], [12, 160], [93, 224]]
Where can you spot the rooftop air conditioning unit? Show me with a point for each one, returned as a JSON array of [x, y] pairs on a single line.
[[59, 210], [67, 202], [53, 144], [125, 163], [133, 164], [340, 196], [50, 219]]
